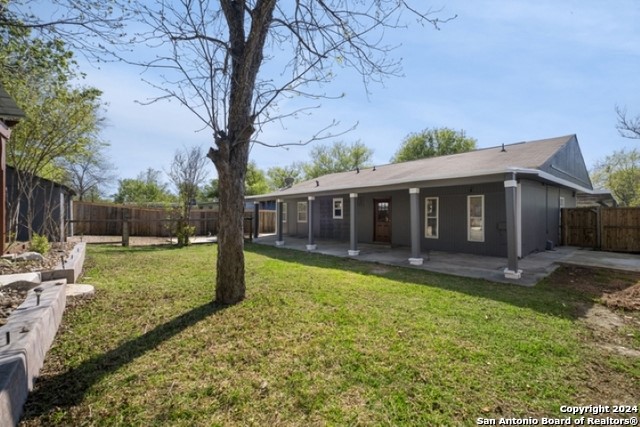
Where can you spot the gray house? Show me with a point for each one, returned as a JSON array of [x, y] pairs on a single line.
[[502, 201]]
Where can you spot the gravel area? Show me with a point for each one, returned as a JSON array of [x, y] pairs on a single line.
[[11, 296]]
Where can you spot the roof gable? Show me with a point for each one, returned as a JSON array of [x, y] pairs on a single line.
[[567, 163]]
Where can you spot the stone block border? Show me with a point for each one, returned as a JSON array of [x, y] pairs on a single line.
[[30, 330]]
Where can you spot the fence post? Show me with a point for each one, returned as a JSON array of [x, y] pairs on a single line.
[[599, 228], [256, 219], [564, 235], [125, 228]]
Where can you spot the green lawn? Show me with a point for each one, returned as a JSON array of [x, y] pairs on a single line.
[[318, 341]]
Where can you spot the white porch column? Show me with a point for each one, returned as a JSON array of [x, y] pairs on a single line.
[[279, 239], [311, 245], [414, 209], [510, 191], [353, 224]]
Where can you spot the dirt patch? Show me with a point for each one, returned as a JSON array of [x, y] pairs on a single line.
[[627, 299], [605, 302], [608, 303], [612, 288]]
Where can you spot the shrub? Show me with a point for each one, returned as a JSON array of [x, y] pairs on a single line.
[[184, 232], [40, 244]]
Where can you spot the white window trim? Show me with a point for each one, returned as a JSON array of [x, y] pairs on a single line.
[[305, 211], [333, 207], [469, 218], [426, 217], [284, 211]]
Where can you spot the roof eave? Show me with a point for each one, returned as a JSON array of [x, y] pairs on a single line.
[[403, 184]]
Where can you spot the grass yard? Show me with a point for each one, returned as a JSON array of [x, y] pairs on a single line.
[[324, 341]]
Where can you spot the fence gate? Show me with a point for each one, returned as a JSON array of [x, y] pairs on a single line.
[[607, 229]]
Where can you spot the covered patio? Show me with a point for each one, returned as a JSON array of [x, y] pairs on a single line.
[[535, 266]]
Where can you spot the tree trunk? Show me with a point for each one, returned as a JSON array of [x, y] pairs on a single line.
[[230, 281]]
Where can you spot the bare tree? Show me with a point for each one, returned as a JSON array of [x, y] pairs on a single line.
[[628, 127], [188, 173], [232, 61], [89, 172], [86, 26]]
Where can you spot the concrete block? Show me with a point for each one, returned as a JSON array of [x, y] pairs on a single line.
[[32, 328], [510, 274], [71, 269]]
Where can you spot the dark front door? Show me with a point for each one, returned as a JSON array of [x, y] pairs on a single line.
[[382, 220]]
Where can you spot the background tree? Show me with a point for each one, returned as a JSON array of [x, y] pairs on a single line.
[[89, 172], [231, 62], [61, 122], [146, 188], [87, 26], [210, 190], [277, 176], [628, 126], [620, 174], [255, 180], [433, 142], [339, 157], [188, 172]]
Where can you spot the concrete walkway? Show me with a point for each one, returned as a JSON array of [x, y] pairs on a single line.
[[535, 266]]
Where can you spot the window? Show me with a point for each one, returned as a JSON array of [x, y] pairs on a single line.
[[475, 218], [302, 211], [561, 202], [431, 218], [337, 208], [284, 212]]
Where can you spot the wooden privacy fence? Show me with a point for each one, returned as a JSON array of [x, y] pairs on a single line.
[[607, 229], [100, 219]]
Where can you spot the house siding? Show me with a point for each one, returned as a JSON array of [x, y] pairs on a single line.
[[541, 214], [399, 216], [452, 233], [327, 227], [295, 228], [568, 164]]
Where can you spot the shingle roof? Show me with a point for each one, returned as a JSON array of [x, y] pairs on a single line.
[[9, 110], [486, 161]]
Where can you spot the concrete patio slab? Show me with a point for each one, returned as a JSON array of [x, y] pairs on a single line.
[[535, 266]]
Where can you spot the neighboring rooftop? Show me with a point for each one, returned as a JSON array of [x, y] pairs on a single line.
[[10, 113], [531, 155]]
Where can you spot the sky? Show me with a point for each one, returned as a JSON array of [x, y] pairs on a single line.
[[502, 71]]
